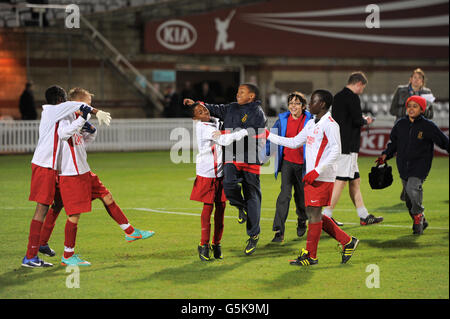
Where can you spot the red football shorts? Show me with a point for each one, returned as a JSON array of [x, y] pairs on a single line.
[[208, 190], [318, 194], [78, 191], [98, 189], [43, 184]]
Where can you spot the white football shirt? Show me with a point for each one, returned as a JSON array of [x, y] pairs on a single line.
[[48, 144], [73, 156], [323, 146], [209, 161]]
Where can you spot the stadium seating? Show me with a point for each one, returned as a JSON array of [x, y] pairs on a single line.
[[16, 14], [377, 105]]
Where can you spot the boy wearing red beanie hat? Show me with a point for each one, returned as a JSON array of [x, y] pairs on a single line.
[[413, 138]]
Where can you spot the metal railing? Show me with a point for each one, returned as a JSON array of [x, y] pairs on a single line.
[[129, 134]]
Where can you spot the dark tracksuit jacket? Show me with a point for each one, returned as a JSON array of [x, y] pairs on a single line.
[[242, 158], [346, 111], [414, 144]]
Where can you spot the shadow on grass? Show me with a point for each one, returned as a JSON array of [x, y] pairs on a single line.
[[24, 276], [193, 273], [397, 208], [408, 241]]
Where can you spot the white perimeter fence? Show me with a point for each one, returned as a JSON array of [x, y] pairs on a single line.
[[130, 134]]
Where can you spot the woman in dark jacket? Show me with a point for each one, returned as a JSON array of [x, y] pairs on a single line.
[[416, 86]]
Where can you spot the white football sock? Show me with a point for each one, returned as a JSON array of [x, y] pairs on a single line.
[[328, 212], [362, 212]]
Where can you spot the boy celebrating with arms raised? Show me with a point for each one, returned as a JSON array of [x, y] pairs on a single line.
[[208, 185], [323, 146], [244, 164]]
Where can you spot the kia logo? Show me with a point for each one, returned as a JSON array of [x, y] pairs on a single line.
[[176, 35]]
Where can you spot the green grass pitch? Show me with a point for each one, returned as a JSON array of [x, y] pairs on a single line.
[[154, 194]]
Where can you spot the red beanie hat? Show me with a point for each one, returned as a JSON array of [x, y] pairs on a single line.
[[419, 100]]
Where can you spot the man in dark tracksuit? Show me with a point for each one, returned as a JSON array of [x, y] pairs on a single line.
[[346, 111], [413, 138], [242, 158]]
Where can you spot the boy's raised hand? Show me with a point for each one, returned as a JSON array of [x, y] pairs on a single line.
[[188, 102], [216, 134]]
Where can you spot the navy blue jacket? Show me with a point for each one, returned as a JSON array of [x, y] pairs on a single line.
[[414, 144], [279, 128], [247, 116]]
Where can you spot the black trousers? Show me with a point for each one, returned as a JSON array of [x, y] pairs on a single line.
[[291, 176], [247, 197]]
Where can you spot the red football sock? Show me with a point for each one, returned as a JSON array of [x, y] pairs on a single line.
[[47, 227], [312, 238], [206, 223], [334, 231], [70, 238], [33, 238], [219, 216], [119, 217]]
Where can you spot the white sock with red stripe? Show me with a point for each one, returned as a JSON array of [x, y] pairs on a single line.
[[127, 228]]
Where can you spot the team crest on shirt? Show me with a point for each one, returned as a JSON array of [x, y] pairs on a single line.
[[420, 135], [244, 119]]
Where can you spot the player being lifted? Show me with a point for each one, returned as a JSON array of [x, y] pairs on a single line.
[[44, 171], [78, 185], [323, 146], [208, 185]]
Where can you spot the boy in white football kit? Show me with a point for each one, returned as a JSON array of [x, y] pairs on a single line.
[[323, 146], [44, 171], [208, 185], [79, 186]]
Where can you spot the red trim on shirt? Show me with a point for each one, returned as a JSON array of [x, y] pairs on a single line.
[[321, 149], [70, 141], [251, 168], [213, 150], [55, 143]]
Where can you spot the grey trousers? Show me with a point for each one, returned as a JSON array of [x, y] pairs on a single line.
[[414, 195], [291, 177]]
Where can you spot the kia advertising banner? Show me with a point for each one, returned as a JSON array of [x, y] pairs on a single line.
[[324, 28], [374, 141]]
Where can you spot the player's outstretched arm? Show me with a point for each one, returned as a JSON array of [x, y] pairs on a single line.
[[291, 142], [66, 128], [227, 139]]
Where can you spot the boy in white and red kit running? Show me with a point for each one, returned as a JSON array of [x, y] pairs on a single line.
[[43, 188], [323, 146], [208, 185], [79, 186]]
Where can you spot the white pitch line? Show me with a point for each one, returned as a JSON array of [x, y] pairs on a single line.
[[161, 211], [270, 219]]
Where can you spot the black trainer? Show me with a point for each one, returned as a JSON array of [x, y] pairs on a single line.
[[217, 251], [278, 238], [349, 249], [203, 252], [46, 250], [304, 259], [337, 222], [425, 222], [242, 218], [418, 225], [251, 245], [370, 220], [301, 228]]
